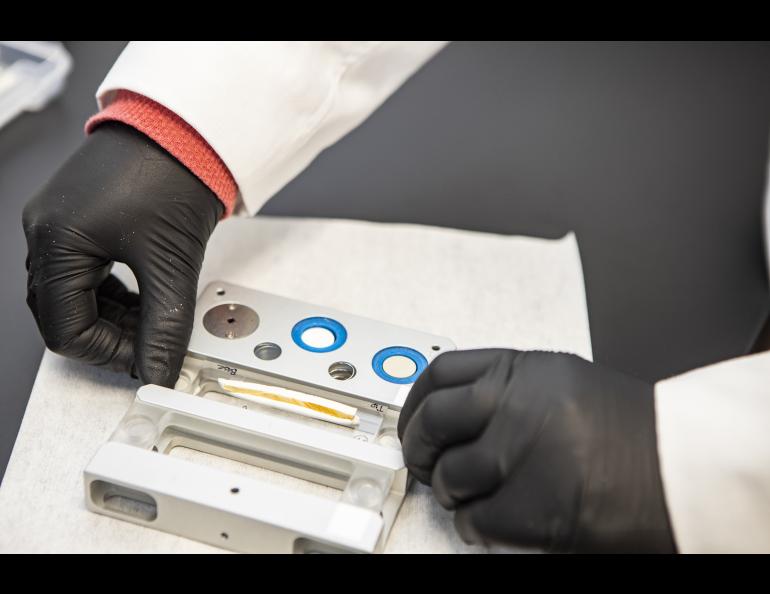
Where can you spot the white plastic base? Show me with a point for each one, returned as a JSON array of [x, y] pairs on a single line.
[[131, 478]]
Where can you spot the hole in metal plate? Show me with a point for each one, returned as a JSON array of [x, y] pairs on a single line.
[[324, 334], [267, 351], [341, 370], [231, 321]]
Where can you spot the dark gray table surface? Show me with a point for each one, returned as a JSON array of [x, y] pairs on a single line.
[[654, 153]]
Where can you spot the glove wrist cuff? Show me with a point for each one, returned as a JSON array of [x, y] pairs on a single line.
[[176, 136]]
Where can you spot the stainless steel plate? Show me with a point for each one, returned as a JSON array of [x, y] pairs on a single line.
[[243, 329]]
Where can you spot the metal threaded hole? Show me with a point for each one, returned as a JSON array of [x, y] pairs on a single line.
[[267, 351], [341, 370]]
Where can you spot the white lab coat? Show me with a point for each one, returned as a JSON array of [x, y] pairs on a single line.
[[269, 108]]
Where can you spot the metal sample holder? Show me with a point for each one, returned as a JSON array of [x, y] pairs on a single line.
[[283, 385]]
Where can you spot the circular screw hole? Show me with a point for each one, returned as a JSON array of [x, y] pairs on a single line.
[[220, 292], [235, 490], [224, 535], [435, 347], [341, 370], [366, 492], [389, 439], [137, 430], [267, 351]]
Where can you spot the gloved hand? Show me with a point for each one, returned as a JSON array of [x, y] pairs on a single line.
[[120, 197], [540, 450]]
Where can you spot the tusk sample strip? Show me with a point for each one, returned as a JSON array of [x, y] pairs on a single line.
[[288, 400]]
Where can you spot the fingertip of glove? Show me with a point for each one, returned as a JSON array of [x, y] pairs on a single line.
[[154, 370]]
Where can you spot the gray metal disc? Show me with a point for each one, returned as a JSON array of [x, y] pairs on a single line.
[[231, 320]]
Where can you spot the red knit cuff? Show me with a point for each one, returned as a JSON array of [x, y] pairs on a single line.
[[176, 136]]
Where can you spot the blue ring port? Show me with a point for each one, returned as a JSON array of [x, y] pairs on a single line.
[[333, 326], [416, 357]]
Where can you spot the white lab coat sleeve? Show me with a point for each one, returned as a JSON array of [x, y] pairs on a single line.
[[714, 449], [267, 107]]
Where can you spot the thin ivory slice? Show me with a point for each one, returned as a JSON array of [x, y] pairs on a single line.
[[292, 401]]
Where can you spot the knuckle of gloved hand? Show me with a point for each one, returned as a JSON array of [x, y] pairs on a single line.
[[562, 371], [490, 459], [29, 216], [468, 523], [451, 475], [36, 228], [442, 488], [488, 394], [485, 392], [36, 211], [434, 418], [428, 377], [59, 342], [554, 386]]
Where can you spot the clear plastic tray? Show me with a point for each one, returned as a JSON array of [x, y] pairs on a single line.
[[31, 74]]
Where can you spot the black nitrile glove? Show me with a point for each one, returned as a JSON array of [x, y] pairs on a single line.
[[540, 450], [122, 198]]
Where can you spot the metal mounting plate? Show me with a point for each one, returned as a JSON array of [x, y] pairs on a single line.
[[277, 317]]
